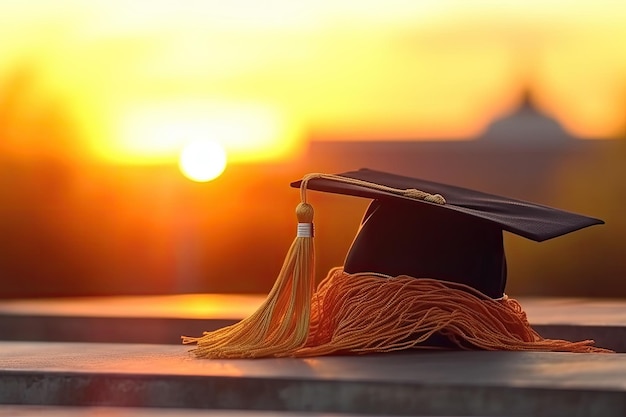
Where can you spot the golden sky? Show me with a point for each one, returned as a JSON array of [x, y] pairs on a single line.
[[139, 79]]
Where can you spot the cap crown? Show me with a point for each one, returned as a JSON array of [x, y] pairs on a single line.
[[393, 241]]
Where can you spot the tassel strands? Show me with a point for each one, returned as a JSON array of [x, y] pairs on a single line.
[[364, 313], [281, 324]]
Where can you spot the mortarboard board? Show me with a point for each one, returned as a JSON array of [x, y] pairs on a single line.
[[426, 269], [456, 238]]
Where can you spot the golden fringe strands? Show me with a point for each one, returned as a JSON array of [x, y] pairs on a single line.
[[364, 313], [367, 313]]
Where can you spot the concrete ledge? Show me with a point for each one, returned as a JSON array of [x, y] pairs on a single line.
[[163, 319], [122, 319], [407, 383], [602, 320]]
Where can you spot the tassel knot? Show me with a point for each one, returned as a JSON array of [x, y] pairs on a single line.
[[304, 213]]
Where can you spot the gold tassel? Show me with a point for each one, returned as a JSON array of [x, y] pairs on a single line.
[[281, 324]]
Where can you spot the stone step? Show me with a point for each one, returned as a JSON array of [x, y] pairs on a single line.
[[163, 319], [602, 320], [122, 319], [404, 383]]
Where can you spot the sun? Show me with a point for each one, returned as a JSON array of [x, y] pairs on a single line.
[[202, 160]]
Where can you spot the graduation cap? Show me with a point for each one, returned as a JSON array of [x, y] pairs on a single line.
[[426, 269], [456, 236]]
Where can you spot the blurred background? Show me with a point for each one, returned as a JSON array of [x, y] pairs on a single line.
[[147, 147]]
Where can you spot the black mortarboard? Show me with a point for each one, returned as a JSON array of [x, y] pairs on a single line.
[[457, 241]]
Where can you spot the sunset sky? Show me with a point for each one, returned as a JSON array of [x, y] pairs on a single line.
[[139, 80], [107, 107]]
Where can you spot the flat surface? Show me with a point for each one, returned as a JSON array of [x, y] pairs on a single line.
[[163, 319], [188, 306], [529, 369], [122, 319], [602, 320], [575, 311], [419, 383]]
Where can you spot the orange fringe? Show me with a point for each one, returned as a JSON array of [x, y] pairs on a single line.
[[365, 313]]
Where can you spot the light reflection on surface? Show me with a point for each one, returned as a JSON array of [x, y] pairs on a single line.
[[540, 310], [205, 306]]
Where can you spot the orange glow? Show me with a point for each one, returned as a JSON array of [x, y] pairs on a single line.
[[145, 132], [256, 76]]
